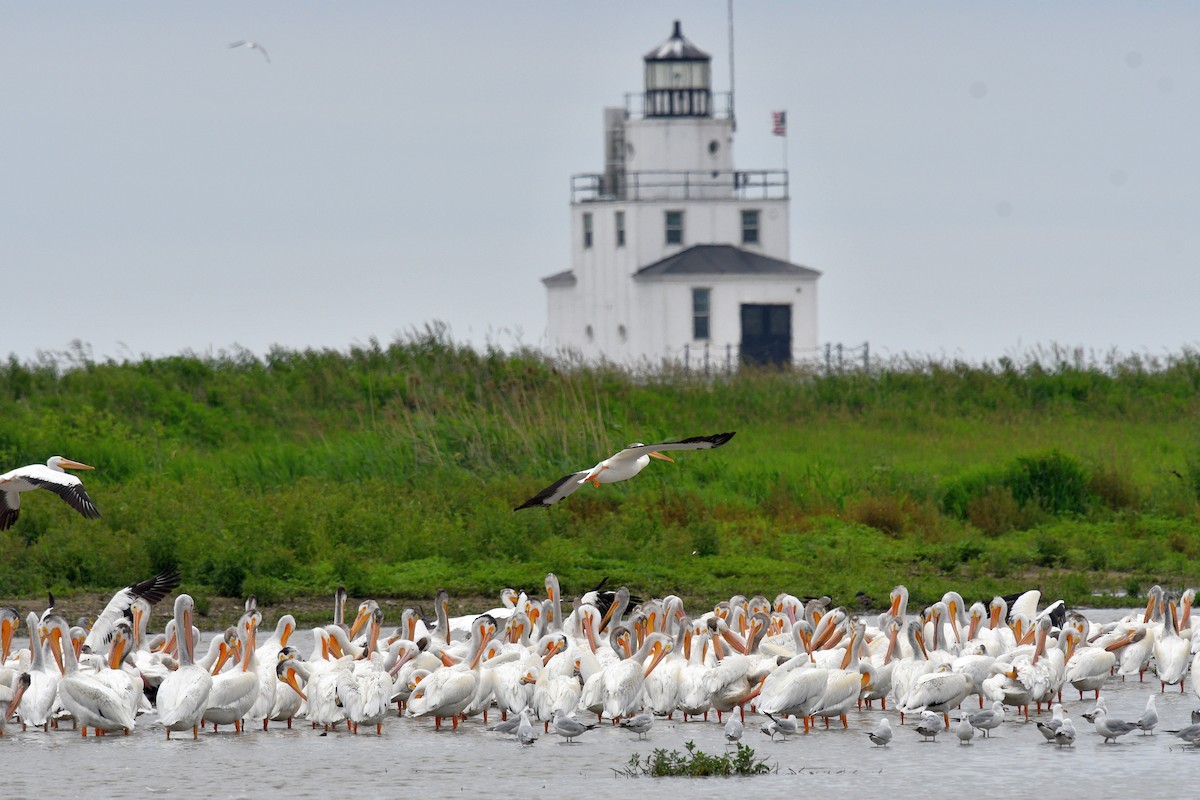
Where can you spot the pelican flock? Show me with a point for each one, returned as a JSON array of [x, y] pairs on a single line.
[[615, 656], [789, 660]]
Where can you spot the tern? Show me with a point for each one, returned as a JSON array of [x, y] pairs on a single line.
[[252, 46]]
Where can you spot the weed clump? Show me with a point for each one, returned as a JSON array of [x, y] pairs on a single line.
[[696, 763]]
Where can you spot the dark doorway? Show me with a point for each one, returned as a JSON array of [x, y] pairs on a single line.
[[767, 334]]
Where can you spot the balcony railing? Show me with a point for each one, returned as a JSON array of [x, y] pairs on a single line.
[[761, 184], [635, 105]]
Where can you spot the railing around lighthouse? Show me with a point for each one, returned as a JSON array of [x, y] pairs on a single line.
[[761, 184]]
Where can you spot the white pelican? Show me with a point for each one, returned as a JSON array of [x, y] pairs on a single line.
[[623, 681], [233, 693], [44, 476], [1088, 667], [38, 704], [1172, 653], [10, 700], [183, 694], [620, 467], [266, 656], [9, 621], [90, 702], [119, 607], [447, 691], [251, 46], [941, 691]]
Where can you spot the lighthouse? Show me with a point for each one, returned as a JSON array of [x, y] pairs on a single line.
[[677, 256]]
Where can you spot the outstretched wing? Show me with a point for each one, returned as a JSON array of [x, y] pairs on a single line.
[[692, 443], [10, 509], [556, 491], [69, 488], [151, 589]]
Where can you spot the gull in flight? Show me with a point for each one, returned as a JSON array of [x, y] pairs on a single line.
[[252, 46]]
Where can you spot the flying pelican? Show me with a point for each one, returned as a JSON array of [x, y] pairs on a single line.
[[251, 46], [50, 476], [620, 467]]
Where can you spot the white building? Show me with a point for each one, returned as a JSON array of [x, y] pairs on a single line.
[[676, 255]]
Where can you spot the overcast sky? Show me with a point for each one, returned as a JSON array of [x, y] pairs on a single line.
[[973, 179]]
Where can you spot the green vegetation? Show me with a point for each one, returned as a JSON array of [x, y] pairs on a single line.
[[393, 470], [695, 763]]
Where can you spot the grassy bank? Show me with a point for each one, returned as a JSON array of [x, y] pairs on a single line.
[[394, 469]]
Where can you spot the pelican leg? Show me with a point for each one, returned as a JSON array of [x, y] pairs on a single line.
[[846, 722], [379, 729], [195, 732], [83, 731], [455, 720]]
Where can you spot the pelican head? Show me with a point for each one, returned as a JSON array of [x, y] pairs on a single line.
[[61, 463]]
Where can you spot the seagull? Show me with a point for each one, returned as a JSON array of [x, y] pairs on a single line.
[[1149, 717], [526, 734], [619, 467], [1049, 729], [930, 726], [733, 730], [639, 724], [50, 475], [965, 731], [1110, 729], [1065, 735], [568, 727], [989, 718], [882, 734], [1190, 734], [252, 46], [785, 727]]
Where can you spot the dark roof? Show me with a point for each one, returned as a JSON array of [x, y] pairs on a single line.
[[677, 48], [722, 259], [565, 278]]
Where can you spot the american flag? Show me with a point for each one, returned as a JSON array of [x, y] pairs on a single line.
[[779, 123]]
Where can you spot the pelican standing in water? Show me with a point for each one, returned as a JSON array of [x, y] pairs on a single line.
[[50, 475], [183, 695], [620, 467]]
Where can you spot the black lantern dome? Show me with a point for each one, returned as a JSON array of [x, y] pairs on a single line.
[[678, 79]]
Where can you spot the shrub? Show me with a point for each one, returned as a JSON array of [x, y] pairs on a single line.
[[1055, 482]]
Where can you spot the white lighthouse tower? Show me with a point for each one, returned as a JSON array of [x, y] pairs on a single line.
[[676, 255]]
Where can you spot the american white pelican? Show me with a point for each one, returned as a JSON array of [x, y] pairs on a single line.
[[44, 476], [9, 621], [233, 693], [38, 704], [623, 681], [119, 607], [251, 46], [936, 691], [10, 699], [90, 702], [183, 695], [266, 657], [619, 467], [1172, 653], [447, 691], [1087, 668]]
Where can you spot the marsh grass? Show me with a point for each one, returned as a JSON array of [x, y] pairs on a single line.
[[696, 763], [394, 469]]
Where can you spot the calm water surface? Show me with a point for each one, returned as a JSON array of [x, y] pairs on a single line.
[[412, 759]]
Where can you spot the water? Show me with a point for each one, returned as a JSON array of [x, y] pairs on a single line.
[[410, 757]]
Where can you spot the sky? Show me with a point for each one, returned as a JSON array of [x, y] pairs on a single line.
[[974, 180]]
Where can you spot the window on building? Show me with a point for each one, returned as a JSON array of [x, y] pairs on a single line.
[[750, 227], [620, 224], [700, 306], [674, 227], [587, 231]]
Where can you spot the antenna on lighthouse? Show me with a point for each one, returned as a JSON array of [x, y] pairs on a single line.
[[732, 117]]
